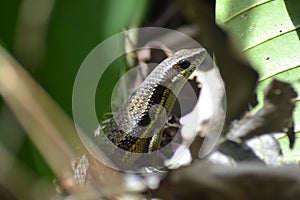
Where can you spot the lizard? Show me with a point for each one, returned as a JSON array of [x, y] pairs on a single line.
[[137, 126]]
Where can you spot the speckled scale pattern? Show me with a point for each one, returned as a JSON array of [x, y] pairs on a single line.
[[127, 129]]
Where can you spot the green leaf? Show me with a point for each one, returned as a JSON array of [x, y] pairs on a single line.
[[75, 29], [268, 33], [290, 155], [8, 18]]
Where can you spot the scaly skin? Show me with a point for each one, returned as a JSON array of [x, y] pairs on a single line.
[[137, 126]]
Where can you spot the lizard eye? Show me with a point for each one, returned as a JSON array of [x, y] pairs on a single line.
[[184, 64]]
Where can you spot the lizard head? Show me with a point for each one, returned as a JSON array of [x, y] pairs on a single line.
[[186, 61]]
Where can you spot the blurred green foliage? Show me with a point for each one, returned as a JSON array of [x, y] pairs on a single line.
[[8, 17], [73, 29]]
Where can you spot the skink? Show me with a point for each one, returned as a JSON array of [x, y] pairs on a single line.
[[137, 126]]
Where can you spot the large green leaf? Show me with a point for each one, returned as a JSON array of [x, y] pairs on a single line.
[[268, 33]]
